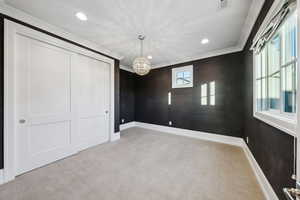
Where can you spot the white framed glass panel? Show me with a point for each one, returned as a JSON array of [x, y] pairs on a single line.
[[204, 101], [204, 94], [275, 81], [212, 93], [204, 90], [212, 100], [182, 77]]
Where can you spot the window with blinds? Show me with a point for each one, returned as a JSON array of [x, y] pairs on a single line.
[[275, 70], [276, 66]]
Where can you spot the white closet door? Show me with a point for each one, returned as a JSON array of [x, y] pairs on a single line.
[[43, 104], [92, 100]]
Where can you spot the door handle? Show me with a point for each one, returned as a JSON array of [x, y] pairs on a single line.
[[22, 121], [106, 112]]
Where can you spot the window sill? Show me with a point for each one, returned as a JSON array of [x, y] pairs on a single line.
[[285, 124]]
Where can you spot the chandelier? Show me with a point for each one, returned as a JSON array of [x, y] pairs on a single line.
[[141, 65]]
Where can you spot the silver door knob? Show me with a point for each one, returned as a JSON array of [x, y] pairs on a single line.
[[22, 121], [106, 111]]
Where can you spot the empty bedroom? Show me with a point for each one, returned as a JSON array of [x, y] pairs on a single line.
[[149, 100]]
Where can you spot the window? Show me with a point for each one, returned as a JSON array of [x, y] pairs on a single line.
[[212, 93], [276, 75], [182, 77], [204, 94]]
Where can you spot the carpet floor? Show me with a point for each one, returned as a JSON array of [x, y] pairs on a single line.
[[143, 165]]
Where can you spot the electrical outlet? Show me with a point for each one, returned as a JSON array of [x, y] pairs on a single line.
[[170, 123], [247, 140], [123, 120]]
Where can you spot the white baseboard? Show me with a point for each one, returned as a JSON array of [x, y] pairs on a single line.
[[193, 134], [1, 176], [115, 137], [127, 125], [260, 176]]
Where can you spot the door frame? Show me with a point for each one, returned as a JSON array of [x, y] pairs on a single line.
[[11, 29]]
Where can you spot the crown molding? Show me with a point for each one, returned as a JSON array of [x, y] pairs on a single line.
[[191, 59], [24, 17], [202, 56], [127, 68], [253, 13]]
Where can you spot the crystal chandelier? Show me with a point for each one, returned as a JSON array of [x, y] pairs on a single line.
[[141, 65]]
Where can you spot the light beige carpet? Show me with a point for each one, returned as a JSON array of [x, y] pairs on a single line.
[[143, 165]]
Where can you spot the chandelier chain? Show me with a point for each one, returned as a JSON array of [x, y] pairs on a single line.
[[141, 65], [141, 38]]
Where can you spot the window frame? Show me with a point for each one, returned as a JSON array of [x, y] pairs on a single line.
[[206, 96], [189, 68], [212, 93], [282, 121]]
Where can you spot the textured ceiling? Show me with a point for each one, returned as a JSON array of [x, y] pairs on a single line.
[[174, 28]]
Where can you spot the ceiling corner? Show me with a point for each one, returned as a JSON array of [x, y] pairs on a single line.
[[126, 68], [253, 13], [218, 52]]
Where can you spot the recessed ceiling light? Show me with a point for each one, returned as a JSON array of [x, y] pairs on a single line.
[[149, 57], [81, 16], [205, 41]]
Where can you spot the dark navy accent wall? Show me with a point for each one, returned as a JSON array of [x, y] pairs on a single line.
[[127, 96], [151, 102], [117, 96]]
